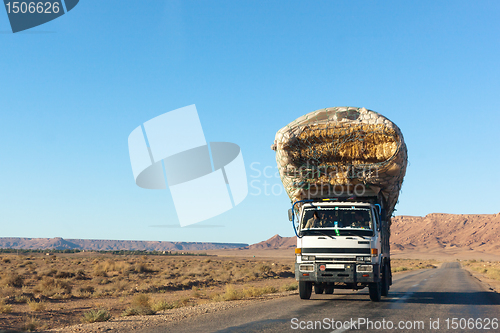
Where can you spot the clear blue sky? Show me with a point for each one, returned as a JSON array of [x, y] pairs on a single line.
[[72, 90]]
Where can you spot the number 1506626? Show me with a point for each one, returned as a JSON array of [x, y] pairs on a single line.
[[48, 7], [471, 323]]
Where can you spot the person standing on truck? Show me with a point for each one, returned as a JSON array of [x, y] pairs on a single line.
[[313, 222]]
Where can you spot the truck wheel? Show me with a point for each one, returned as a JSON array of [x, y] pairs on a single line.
[[385, 280], [329, 289], [305, 289], [318, 289], [375, 290]]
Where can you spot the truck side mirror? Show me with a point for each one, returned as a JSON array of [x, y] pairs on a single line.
[[290, 214]]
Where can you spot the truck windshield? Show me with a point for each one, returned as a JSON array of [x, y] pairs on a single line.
[[340, 221]]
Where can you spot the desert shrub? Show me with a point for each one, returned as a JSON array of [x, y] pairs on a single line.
[[141, 305], [143, 268], [13, 280], [255, 292], [96, 315], [36, 306], [138, 311], [399, 269], [290, 286], [80, 275], [5, 308], [141, 300], [232, 293], [119, 287], [49, 286], [31, 324], [164, 305], [49, 272], [22, 298], [64, 275], [195, 291], [265, 269], [99, 271], [86, 289]]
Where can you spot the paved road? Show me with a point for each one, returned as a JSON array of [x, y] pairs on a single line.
[[414, 298]]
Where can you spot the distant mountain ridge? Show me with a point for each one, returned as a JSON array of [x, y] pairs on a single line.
[[59, 243], [433, 231]]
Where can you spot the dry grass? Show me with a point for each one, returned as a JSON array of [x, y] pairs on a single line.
[[64, 277], [358, 144], [402, 265], [32, 324], [290, 286], [124, 284], [141, 305], [178, 303], [232, 293], [491, 269], [37, 306], [5, 308], [96, 315]]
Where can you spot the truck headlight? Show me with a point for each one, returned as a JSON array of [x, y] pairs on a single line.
[[308, 258], [306, 268], [363, 259], [364, 268]]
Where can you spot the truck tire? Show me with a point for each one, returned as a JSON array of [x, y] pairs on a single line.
[[329, 289], [385, 280], [318, 289], [305, 289], [375, 290]]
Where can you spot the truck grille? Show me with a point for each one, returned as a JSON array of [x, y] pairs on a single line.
[[309, 250], [346, 260]]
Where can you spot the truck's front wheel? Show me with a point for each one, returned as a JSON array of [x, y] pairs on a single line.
[[305, 289], [375, 290]]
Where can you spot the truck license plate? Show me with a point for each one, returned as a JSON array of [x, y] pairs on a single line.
[[335, 266]]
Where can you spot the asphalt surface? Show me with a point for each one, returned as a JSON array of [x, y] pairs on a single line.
[[416, 301]]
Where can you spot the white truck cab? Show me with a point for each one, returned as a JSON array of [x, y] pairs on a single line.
[[341, 244]]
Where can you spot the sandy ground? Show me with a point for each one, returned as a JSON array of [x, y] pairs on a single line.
[[122, 324]]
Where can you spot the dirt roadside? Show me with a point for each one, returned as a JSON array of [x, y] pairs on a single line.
[[127, 324]]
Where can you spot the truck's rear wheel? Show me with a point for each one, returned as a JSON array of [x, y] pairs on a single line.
[[329, 289], [375, 290], [385, 280], [318, 289], [305, 289]]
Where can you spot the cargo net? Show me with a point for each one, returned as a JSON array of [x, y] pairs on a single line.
[[334, 151]]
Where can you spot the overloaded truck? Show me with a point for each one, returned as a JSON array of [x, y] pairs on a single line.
[[343, 169]]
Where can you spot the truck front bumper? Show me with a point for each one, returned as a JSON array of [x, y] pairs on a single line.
[[350, 273]]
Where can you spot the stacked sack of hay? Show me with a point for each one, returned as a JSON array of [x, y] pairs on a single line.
[[341, 149]]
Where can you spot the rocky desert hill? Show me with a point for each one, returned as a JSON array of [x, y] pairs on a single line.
[[275, 242], [58, 243], [479, 232], [472, 232]]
